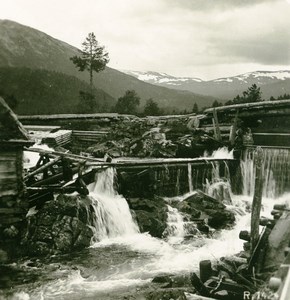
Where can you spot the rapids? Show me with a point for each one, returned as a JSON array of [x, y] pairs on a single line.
[[121, 260]]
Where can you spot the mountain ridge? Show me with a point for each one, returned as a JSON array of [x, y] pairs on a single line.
[[223, 87], [24, 46]]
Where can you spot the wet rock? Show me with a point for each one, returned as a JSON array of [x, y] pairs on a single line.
[[60, 226], [150, 214], [165, 280], [189, 207], [202, 205], [220, 219]]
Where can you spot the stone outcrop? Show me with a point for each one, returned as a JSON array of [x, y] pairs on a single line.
[[60, 226], [150, 214], [200, 205]]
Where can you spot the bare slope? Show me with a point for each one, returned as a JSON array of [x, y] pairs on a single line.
[[22, 46]]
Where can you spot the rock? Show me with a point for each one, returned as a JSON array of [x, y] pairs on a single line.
[[150, 214], [168, 294], [188, 207], [220, 219], [61, 226], [199, 204], [165, 280]]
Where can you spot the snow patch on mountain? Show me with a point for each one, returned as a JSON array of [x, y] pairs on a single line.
[[160, 78]]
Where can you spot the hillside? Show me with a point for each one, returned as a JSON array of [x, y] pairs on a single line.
[[272, 83], [22, 46], [46, 92]]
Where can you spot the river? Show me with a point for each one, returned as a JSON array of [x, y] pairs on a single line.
[[124, 262]]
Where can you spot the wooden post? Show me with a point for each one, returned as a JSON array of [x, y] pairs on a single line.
[[257, 199], [234, 129], [216, 125]]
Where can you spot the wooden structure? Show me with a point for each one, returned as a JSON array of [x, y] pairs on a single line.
[[268, 122], [13, 137]]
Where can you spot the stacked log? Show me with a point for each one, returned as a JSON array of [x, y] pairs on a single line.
[[58, 138], [89, 136]]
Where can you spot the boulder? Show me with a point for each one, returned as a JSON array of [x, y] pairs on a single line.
[[201, 205], [220, 218], [60, 226], [150, 214]]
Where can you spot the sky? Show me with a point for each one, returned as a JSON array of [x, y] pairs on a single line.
[[207, 39]]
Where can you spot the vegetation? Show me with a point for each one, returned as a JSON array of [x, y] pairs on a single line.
[[151, 108], [216, 104], [281, 97], [93, 57], [128, 103], [195, 108], [252, 94], [30, 91]]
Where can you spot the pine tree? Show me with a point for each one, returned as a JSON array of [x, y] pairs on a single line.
[[195, 108], [93, 58]]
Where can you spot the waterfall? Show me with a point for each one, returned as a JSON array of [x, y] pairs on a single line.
[[189, 170], [175, 226], [276, 166], [113, 216]]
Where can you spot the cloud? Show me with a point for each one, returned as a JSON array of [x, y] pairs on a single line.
[[180, 37], [208, 5]]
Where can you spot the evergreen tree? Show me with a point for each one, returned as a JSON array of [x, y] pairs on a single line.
[[252, 94], [93, 57], [128, 103], [195, 108], [216, 104], [151, 108]]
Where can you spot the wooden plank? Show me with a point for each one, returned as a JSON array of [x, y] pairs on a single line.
[[12, 210], [8, 192], [9, 175]]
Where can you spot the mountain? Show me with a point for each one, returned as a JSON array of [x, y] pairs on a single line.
[[272, 83], [46, 92], [22, 46]]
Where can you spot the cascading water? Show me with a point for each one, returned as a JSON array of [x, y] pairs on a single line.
[[175, 226], [122, 257], [276, 166], [113, 217]]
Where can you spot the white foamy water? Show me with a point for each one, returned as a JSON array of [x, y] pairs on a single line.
[[140, 256], [113, 217], [221, 153], [175, 226]]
